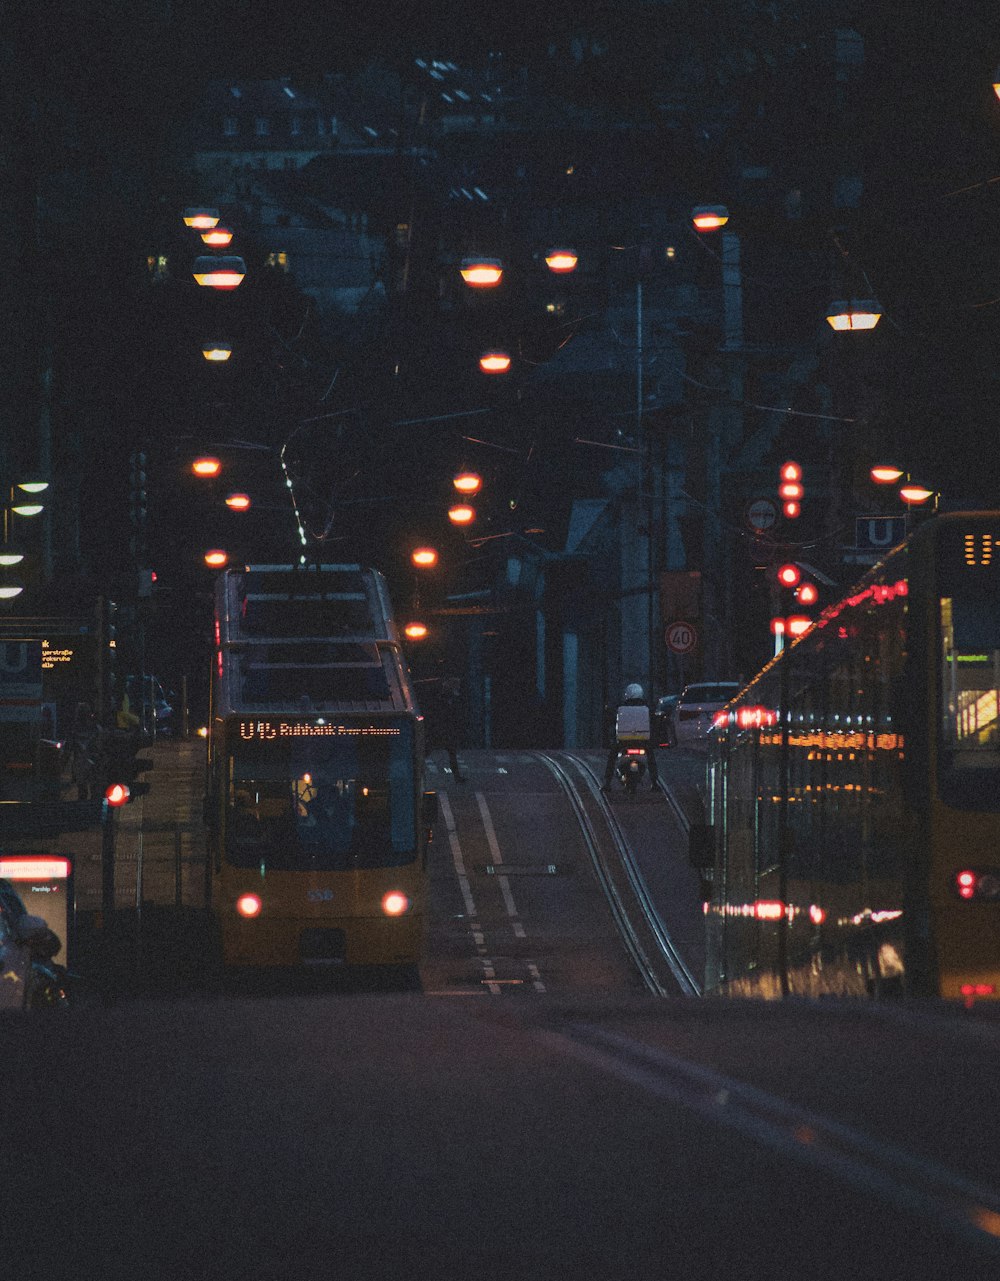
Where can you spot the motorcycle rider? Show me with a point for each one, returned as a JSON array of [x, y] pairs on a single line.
[[631, 727]]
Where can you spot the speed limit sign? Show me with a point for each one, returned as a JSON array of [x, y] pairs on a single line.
[[681, 637]]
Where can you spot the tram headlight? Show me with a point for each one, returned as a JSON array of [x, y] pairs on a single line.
[[395, 903], [249, 905]]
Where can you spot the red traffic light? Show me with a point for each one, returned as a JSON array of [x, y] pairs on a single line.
[[791, 471], [791, 508], [117, 794], [789, 575], [807, 593]]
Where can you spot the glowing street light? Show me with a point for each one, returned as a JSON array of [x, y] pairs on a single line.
[[415, 630], [885, 474], [10, 590], [201, 218], [481, 272], [238, 502], [216, 558], [468, 482], [709, 217], [224, 272], [217, 237], [561, 261], [494, 362], [915, 494], [854, 313], [206, 466], [424, 557], [461, 514], [216, 351]]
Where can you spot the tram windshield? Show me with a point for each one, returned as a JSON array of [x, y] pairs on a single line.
[[334, 801], [969, 765]]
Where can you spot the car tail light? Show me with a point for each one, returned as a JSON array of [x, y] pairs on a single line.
[[720, 719], [249, 905], [395, 903], [978, 989], [635, 751], [981, 883]]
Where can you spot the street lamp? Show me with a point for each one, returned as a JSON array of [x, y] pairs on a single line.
[[216, 351], [561, 261], [494, 362], [468, 482], [200, 218], [709, 217], [854, 313], [885, 474], [461, 514], [424, 557], [206, 466], [481, 272], [225, 272], [238, 502], [217, 237]]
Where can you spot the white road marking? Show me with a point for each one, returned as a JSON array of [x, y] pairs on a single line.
[[491, 841], [463, 880]]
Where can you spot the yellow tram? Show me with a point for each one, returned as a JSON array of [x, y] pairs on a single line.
[[853, 844]]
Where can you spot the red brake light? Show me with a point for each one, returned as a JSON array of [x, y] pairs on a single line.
[[720, 719], [395, 903], [117, 794], [978, 989], [248, 905]]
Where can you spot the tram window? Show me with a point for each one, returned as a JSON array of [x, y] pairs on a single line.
[[970, 699], [323, 806]]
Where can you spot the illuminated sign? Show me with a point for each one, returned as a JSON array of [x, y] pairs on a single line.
[[44, 883], [266, 729], [53, 655], [978, 548]]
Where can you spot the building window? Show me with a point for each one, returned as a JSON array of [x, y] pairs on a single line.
[[230, 126], [262, 127], [279, 260]]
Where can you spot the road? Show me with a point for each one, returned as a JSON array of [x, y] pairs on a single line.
[[536, 1111]]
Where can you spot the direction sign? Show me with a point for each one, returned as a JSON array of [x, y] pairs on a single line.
[[681, 637], [762, 513]]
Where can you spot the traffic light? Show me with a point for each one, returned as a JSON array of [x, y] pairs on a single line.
[[789, 575], [790, 489], [137, 489]]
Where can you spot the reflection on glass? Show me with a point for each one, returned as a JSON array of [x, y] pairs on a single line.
[[322, 805], [970, 698]]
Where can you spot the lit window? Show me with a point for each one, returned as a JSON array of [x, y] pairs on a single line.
[[230, 126], [278, 260], [262, 127]]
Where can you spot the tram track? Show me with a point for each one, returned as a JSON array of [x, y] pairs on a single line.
[[641, 927]]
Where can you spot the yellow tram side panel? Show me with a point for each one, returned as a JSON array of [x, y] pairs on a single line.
[[297, 901]]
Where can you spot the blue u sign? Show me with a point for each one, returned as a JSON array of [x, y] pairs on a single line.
[[20, 664], [879, 533]]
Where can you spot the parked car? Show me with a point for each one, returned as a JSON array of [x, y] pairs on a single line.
[[664, 730], [696, 709]]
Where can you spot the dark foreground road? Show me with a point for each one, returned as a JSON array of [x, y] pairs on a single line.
[[411, 1136]]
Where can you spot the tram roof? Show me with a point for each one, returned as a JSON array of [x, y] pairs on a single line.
[[312, 639]]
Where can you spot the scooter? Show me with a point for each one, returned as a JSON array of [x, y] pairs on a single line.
[[631, 767]]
